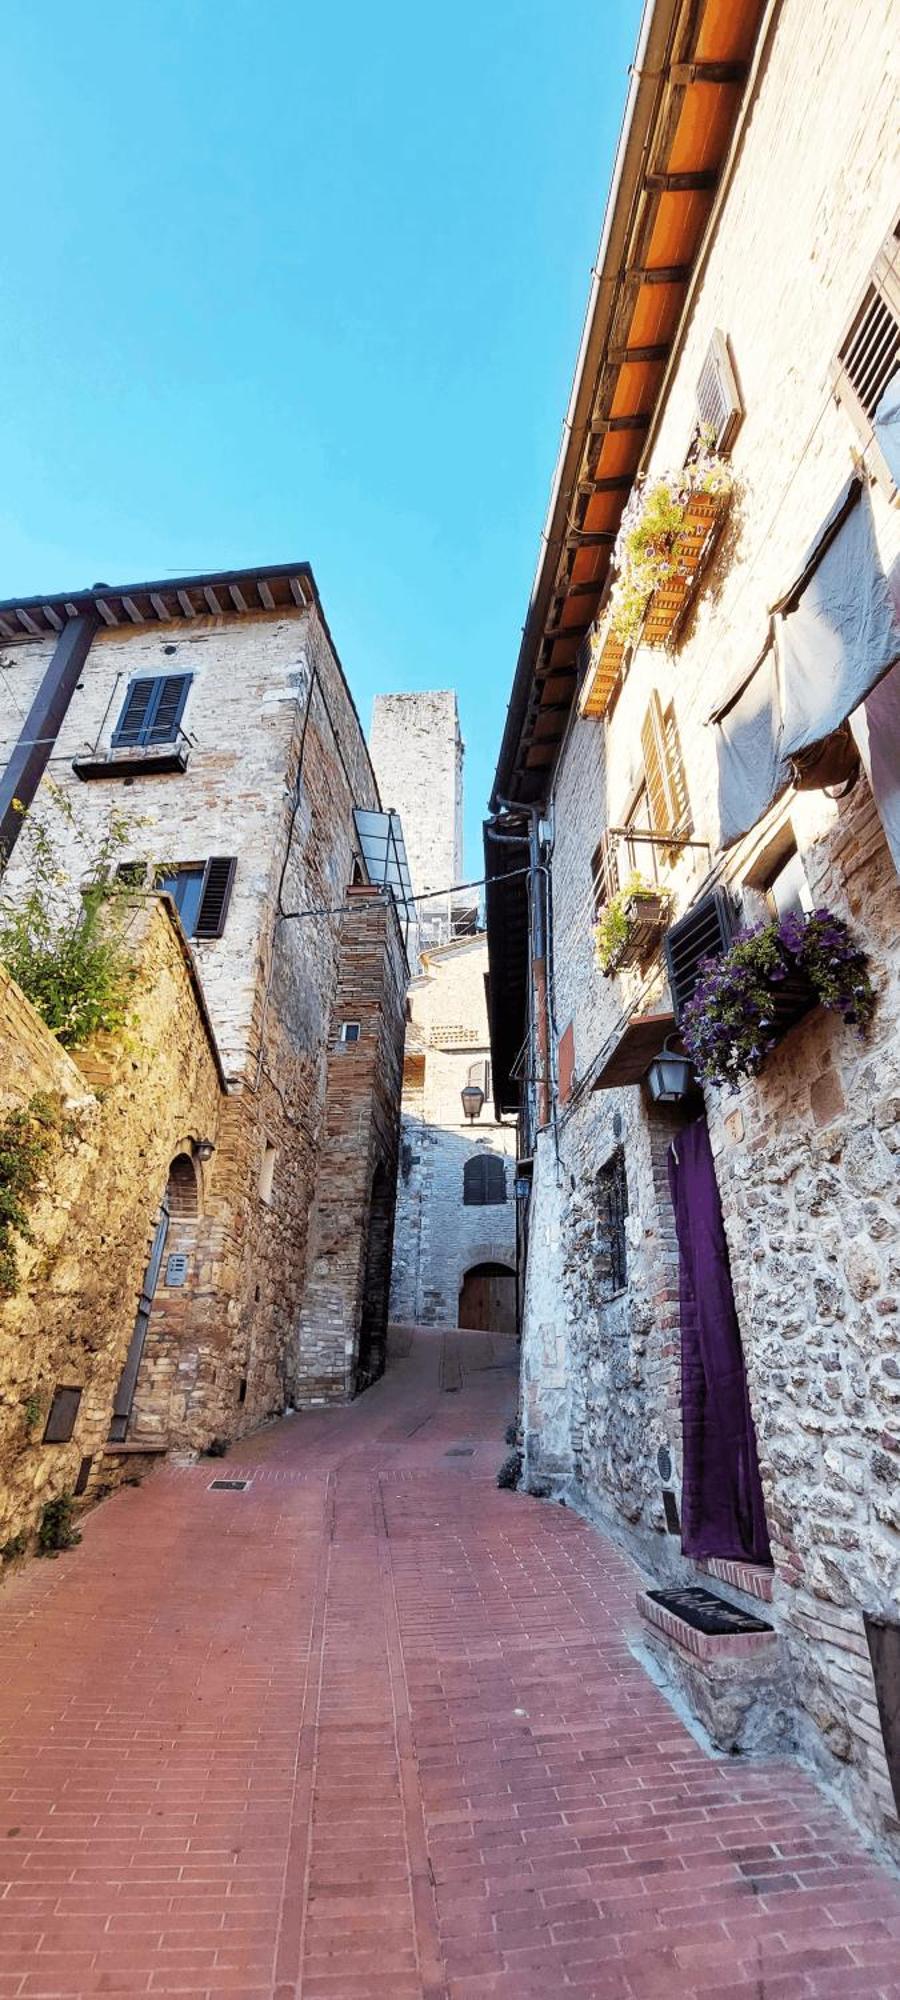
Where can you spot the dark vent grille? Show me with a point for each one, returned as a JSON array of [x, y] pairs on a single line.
[[227, 1485], [704, 932]]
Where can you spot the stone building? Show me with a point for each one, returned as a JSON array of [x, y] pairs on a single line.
[[455, 1238], [417, 754], [722, 750], [212, 712]]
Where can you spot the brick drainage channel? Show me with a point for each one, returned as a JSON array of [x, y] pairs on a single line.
[[356, 1725]]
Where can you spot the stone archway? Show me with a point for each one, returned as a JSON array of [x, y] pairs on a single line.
[[487, 1298]]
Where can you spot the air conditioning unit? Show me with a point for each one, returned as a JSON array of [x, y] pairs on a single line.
[[704, 931]]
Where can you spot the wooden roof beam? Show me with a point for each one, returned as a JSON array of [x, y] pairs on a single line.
[[704, 181], [212, 601], [658, 351], [237, 597], [184, 599], [684, 73], [129, 606], [265, 595], [106, 612], [28, 623], [638, 421], [52, 616], [297, 592]]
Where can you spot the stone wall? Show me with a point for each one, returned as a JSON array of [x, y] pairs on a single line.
[[438, 1237], [806, 1154], [343, 1321], [123, 1113]]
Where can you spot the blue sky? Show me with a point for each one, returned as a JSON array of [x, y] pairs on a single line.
[[305, 281]]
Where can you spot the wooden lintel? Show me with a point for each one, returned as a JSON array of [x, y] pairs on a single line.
[[212, 601], [297, 591], [658, 351], [265, 595], [708, 72], [638, 421], [237, 597], [161, 608], [184, 600], [129, 606], [663, 274], [52, 616], [106, 611], [702, 182]]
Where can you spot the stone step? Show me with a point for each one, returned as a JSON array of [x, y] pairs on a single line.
[[128, 1450]]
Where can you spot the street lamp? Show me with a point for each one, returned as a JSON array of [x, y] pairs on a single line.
[[472, 1100], [670, 1077]]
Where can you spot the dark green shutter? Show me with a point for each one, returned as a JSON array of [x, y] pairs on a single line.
[[169, 708], [134, 714], [152, 710], [215, 896]]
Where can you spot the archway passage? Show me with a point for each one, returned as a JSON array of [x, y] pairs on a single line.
[[487, 1298]]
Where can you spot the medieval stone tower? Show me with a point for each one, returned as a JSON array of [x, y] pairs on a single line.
[[417, 751]]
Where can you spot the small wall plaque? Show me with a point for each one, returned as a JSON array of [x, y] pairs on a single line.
[[176, 1268]]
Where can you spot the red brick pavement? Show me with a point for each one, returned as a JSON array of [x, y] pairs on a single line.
[[370, 1730]]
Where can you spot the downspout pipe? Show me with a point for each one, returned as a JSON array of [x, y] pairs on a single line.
[[29, 760]]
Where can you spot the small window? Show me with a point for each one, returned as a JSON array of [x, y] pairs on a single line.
[[152, 710], [867, 363], [201, 892], [62, 1414], [719, 408], [267, 1173], [350, 1031], [479, 1075], [612, 1212], [484, 1181], [784, 885]]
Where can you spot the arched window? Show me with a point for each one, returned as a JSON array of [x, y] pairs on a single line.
[[484, 1181], [181, 1191]]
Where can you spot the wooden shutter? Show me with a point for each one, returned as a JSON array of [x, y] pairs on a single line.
[[152, 710], [705, 931], [719, 409], [168, 708], [566, 1063], [869, 354], [135, 711], [675, 767], [660, 799], [494, 1179], [215, 895]]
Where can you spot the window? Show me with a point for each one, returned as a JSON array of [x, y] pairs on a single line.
[[612, 1212], [201, 892], [868, 358], [267, 1172], [350, 1031], [479, 1075], [61, 1419], [484, 1181], [719, 408], [152, 710]]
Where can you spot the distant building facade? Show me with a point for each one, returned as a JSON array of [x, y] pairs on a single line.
[[417, 753], [213, 713]]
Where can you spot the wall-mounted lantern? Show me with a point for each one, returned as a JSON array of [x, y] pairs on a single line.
[[670, 1077], [203, 1150], [472, 1101]]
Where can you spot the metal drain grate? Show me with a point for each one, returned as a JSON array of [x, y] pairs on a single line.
[[460, 1451], [228, 1485]]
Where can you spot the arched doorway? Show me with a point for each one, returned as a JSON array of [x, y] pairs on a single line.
[[487, 1298], [181, 1201]]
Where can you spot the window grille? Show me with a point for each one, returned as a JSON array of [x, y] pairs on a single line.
[[868, 357], [612, 1212], [484, 1181], [719, 407], [152, 710]]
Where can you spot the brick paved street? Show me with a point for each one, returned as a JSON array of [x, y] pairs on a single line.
[[371, 1728]]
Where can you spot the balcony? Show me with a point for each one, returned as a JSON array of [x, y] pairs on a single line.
[[132, 760]]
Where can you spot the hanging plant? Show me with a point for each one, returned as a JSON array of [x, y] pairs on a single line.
[[629, 924], [664, 536], [766, 981]]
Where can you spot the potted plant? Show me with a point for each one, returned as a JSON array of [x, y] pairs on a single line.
[[766, 981], [630, 925], [665, 537]]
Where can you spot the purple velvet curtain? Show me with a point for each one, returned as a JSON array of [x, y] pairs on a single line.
[[722, 1510]]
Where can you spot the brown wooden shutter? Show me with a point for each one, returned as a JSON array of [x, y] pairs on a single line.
[[215, 896], [663, 813], [675, 765], [566, 1063]]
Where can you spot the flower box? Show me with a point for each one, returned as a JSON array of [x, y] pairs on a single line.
[[749, 998], [703, 519], [629, 929], [605, 661]]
